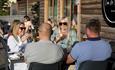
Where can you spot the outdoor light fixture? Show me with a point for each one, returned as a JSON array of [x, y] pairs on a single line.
[[108, 10]]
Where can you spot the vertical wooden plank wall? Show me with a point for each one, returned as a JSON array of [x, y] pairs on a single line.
[[92, 9], [21, 7], [45, 10]]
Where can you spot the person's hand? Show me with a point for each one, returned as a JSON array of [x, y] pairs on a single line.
[[25, 37], [59, 38]]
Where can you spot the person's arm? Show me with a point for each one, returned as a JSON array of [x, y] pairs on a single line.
[[27, 25], [69, 59], [32, 26], [25, 37], [74, 54], [59, 38]]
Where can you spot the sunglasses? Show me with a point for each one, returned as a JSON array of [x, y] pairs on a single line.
[[22, 28], [64, 23]]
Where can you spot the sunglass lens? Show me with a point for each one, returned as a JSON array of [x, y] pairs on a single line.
[[60, 24], [65, 23]]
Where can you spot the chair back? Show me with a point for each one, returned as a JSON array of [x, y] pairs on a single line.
[[40, 66], [93, 65]]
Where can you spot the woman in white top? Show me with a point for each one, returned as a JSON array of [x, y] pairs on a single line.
[[14, 40]]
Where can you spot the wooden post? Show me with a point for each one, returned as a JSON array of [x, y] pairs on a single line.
[[79, 20], [61, 8], [45, 10], [71, 10]]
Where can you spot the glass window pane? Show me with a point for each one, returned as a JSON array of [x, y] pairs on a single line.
[[50, 8], [55, 8], [67, 8]]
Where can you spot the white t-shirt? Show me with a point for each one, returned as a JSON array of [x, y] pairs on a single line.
[[13, 44]]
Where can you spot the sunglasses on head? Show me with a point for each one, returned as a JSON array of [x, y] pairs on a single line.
[[64, 23], [22, 28]]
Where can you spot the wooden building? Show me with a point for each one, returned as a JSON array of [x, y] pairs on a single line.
[[24, 6], [93, 8], [57, 9], [89, 9]]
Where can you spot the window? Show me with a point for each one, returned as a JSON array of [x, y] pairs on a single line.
[[70, 8], [53, 8], [74, 9], [67, 8]]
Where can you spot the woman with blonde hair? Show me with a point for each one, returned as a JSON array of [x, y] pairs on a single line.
[[64, 36], [14, 40]]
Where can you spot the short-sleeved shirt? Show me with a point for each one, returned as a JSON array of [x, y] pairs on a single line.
[[43, 52], [95, 50]]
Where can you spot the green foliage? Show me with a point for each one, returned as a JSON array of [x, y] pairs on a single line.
[[3, 5], [35, 8], [3, 13], [36, 12]]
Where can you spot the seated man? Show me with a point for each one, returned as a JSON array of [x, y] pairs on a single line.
[[43, 51], [94, 48]]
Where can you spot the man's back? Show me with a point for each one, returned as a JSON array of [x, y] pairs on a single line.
[[91, 50], [43, 52]]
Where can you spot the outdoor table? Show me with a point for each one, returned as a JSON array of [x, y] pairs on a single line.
[[18, 64]]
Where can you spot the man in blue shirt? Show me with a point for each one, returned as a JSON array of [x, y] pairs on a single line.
[[94, 48]]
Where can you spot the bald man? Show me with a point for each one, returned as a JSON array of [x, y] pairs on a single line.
[[43, 51]]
